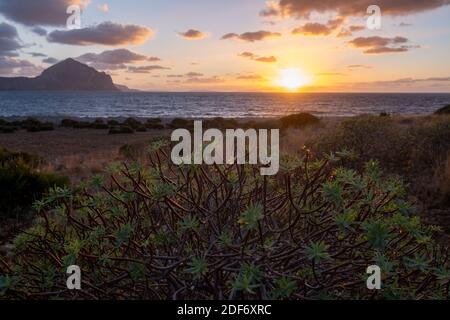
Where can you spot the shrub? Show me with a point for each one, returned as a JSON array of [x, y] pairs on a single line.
[[113, 122], [68, 123], [99, 124], [21, 182], [182, 124], [220, 123], [7, 129], [121, 130], [443, 110], [158, 231], [154, 124], [298, 120], [132, 123]]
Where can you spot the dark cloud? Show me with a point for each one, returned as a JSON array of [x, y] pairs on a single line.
[[252, 56], [39, 31], [318, 29], [252, 36], [50, 60], [38, 12], [16, 67], [377, 45], [145, 69], [303, 8], [193, 34], [9, 40], [106, 33], [37, 54]]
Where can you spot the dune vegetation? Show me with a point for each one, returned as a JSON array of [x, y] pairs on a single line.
[[363, 192]]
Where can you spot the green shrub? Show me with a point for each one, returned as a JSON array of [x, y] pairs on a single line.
[[21, 182], [299, 120], [444, 110], [157, 231]]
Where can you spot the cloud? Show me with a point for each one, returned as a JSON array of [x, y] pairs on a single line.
[[252, 36], [194, 74], [272, 9], [318, 29], [16, 67], [193, 34], [359, 66], [250, 77], [106, 33], [188, 75], [9, 40], [50, 60], [209, 80], [42, 12], [377, 45], [145, 69], [103, 7], [347, 32], [255, 57], [37, 54], [115, 57], [303, 8], [39, 31]]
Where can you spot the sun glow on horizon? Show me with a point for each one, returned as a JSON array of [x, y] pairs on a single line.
[[292, 79]]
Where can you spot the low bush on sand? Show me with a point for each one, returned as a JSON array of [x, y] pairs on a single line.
[[299, 120]]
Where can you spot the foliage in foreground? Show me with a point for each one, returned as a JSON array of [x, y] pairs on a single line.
[[224, 232], [22, 182]]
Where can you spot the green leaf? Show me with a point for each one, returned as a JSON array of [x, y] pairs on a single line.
[[317, 251], [250, 218]]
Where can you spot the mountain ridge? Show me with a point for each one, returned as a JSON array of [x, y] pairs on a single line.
[[67, 75]]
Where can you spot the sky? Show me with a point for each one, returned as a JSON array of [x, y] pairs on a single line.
[[236, 45]]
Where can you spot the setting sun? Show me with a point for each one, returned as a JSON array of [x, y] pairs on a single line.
[[292, 79]]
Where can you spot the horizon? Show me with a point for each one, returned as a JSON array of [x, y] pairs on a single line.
[[269, 47]]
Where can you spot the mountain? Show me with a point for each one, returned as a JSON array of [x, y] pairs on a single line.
[[69, 75], [124, 88]]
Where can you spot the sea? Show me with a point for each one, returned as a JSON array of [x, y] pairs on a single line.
[[205, 105]]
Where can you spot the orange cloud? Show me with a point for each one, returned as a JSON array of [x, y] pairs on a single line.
[[193, 34], [303, 8], [255, 57], [377, 45], [252, 36], [315, 29]]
